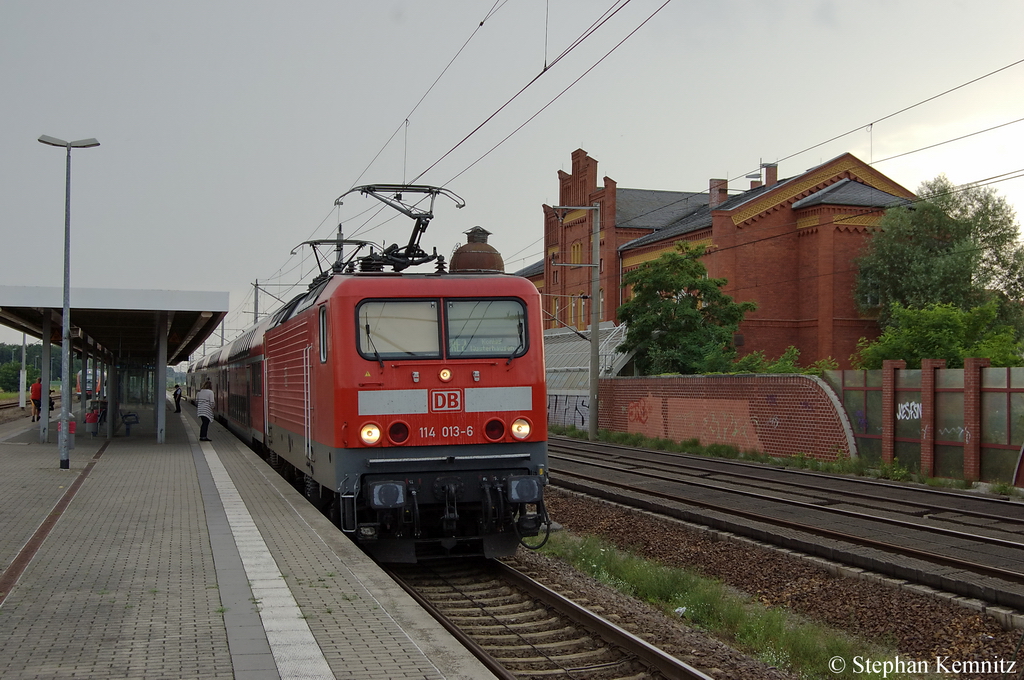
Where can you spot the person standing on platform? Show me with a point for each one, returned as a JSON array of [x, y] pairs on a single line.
[[204, 407], [177, 398], [36, 395]]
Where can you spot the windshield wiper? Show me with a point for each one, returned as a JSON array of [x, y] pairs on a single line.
[[376, 354], [518, 347]]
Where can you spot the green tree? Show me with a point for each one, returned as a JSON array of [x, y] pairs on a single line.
[[679, 320], [956, 246], [941, 332], [10, 373]]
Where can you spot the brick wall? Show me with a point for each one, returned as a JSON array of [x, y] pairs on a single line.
[[972, 417], [780, 415]]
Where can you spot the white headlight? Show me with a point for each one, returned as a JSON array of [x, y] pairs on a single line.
[[520, 428], [370, 433]]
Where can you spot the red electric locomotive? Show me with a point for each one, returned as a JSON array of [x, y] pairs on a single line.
[[410, 407]]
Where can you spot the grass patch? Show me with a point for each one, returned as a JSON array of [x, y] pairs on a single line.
[[1004, 489], [963, 484], [776, 636]]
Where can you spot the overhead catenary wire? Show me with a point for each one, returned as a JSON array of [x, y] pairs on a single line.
[[557, 96], [405, 121], [498, 4], [1006, 177], [861, 127], [948, 141], [871, 124], [615, 8], [576, 43]]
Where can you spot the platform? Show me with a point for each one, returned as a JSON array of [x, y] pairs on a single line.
[[190, 560]]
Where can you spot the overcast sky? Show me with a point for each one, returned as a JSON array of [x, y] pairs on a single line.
[[228, 128]]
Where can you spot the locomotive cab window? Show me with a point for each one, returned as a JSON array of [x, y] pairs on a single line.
[[399, 329], [485, 328]]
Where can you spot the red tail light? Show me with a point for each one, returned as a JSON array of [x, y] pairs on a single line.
[[494, 430], [398, 432]]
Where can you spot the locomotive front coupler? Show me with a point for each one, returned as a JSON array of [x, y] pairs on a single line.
[[529, 525], [487, 508], [414, 495], [451, 509]]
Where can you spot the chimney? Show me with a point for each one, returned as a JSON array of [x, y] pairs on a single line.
[[771, 174], [718, 192], [755, 184]]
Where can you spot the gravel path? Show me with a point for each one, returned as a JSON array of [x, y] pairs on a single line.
[[919, 626]]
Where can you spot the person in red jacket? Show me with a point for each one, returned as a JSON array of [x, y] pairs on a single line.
[[36, 394]]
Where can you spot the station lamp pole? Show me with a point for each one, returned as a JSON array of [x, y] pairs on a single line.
[[65, 346]]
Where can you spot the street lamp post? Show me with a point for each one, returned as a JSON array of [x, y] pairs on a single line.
[[65, 347]]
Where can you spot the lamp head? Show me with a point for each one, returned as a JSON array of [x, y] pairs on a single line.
[[78, 144]]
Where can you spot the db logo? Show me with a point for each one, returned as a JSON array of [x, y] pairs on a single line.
[[445, 400]]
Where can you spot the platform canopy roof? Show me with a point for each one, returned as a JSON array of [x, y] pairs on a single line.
[[117, 324]]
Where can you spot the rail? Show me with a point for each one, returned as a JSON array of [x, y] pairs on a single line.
[[631, 649], [706, 497]]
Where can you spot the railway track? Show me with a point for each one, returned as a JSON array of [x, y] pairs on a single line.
[[521, 629], [959, 543], [942, 505], [14, 403]]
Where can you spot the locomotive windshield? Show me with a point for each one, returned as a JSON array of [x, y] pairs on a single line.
[[411, 329], [485, 328], [399, 329]]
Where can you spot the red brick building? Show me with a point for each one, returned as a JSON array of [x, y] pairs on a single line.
[[787, 245]]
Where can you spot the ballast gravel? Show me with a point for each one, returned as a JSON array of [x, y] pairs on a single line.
[[919, 626]]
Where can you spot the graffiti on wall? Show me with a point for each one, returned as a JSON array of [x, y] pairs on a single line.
[[910, 410], [569, 411], [953, 434], [726, 427], [639, 411]]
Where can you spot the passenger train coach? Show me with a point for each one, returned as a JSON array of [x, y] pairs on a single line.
[[411, 408]]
